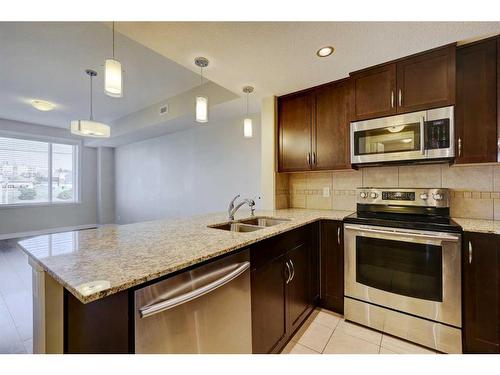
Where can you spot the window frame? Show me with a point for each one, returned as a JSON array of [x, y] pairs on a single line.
[[77, 167]]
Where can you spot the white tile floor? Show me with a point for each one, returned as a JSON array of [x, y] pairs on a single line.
[[16, 320], [325, 332]]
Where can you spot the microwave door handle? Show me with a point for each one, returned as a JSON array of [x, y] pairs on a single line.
[[422, 135]]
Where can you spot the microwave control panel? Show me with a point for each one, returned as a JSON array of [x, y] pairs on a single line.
[[437, 134]]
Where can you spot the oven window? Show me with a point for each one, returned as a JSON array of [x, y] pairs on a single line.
[[405, 268], [388, 139]]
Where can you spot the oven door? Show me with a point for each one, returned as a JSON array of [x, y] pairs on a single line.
[[393, 138], [416, 272]]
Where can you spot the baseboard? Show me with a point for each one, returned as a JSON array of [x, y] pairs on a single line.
[[46, 231]]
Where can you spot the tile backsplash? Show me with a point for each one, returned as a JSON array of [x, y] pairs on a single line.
[[475, 190]]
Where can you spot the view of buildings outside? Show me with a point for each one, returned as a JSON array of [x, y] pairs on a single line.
[[24, 172]]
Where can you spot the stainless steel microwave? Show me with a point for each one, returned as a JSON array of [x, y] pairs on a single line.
[[413, 137]]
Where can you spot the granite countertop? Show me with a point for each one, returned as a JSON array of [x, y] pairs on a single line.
[[117, 257], [479, 225]]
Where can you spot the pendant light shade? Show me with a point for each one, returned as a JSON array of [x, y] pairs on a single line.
[[201, 109], [247, 128], [90, 128], [201, 101], [113, 78], [247, 122]]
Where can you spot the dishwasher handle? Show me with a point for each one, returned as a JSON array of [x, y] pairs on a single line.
[[189, 296]]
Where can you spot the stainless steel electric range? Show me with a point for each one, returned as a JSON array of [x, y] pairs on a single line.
[[402, 266]]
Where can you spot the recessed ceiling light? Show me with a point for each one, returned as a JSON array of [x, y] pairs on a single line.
[[325, 51], [43, 105]]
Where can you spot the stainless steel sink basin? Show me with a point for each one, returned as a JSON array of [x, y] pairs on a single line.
[[237, 227], [250, 225], [264, 221]]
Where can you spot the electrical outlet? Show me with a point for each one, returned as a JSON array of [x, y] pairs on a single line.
[[326, 192]]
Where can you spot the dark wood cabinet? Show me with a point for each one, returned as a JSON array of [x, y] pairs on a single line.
[[284, 280], [332, 266], [313, 128], [422, 81], [481, 293], [269, 306], [295, 130], [476, 108], [374, 92], [426, 80], [331, 130]]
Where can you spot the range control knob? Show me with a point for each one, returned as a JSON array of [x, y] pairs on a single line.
[[424, 196], [373, 195], [437, 196], [363, 194]]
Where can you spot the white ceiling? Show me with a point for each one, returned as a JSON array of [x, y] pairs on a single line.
[[47, 61], [280, 57]]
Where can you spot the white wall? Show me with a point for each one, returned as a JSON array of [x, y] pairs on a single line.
[[186, 173], [105, 185]]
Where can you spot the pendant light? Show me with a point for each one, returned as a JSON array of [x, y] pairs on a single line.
[[113, 79], [247, 122], [201, 101], [90, 128]]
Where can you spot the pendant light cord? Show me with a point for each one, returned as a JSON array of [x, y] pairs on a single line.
[[247, 104], [201, 76], [113, 39], [91, 114]]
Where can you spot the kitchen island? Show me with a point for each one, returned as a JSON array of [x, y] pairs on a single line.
[[74, 269]]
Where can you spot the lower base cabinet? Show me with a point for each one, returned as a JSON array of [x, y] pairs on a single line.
[[285, 286], [332, 266], [481, 293]]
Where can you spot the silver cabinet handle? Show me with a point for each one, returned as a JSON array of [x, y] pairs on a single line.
[[338, 235], [308, 158], [293, 270], [289, 277], [392, 99], [314, 158], [470, 252], [459, 146], [189, 296], [400, 98]]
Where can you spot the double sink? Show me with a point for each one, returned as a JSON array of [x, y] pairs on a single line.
[[250, 225]]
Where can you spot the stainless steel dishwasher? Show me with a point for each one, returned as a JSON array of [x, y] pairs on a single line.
[[205, 310]]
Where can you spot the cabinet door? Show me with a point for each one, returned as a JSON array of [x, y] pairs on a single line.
[[300, 288], [331, 130], [481, 295], [476, 109], [268, 306], [374, 92], [426, 80], [332, 266], [294, 129]]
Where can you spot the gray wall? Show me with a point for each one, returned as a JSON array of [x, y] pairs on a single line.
[[105, 185], [186, 173], [39, 218]]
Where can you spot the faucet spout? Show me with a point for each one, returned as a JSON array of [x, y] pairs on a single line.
[[232, 209]]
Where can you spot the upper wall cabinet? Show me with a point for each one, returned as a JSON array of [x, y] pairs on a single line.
[[476, 110], [295, 130], [313, 129], [422, 81], [374, 92]]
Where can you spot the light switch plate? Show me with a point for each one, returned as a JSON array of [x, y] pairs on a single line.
[[326, 192]]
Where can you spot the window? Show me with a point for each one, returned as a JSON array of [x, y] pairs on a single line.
[[37, 172]]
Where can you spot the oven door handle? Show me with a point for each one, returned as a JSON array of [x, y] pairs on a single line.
[[444, 237]]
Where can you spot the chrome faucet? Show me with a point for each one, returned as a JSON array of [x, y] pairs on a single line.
[[232, 209]]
